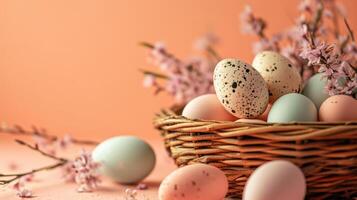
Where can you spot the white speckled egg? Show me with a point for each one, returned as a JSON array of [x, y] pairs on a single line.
[[125, 159], [278, 72], [240, 88], [194, 182]]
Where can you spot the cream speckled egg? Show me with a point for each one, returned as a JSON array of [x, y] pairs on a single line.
[[278, 72], [240, 88]]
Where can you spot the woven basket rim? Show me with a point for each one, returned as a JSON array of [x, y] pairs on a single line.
[[169, 114]]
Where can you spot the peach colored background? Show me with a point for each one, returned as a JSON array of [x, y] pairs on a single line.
[[72, 65]]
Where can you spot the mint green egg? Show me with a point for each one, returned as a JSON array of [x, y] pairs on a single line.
[[315, 89], [125, 159], [292, 107]]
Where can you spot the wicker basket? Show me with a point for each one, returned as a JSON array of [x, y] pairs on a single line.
[[326, 152]]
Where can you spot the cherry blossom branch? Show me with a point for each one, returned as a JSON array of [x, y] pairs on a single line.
[[42, 133], [16, 176]]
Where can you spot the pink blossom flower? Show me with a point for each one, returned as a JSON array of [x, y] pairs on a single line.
[[86, 172], [265, 45], [185, 79], [206, 41], [130, 194], [250, 23], [64, 142], [142, 186], [20, 189], [24, 193], [68, 172], [149, 80], [305, 6]]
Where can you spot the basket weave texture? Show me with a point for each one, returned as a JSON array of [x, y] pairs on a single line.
[[326, 152]]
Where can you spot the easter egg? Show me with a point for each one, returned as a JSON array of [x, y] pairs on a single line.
[[265, 114], [315, 89], [259, 121], [276, 180], [194, 182], [240, 88], [207, 107], [338, 108], [292, 107], [125, 159], [279, 74]]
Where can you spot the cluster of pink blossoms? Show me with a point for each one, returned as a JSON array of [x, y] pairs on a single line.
[[86, 172], [184, 79]]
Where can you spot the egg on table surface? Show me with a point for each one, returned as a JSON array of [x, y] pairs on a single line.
[[207, 107], [314, 89], [194, 182], [240, 88], [125, 159], [338, 108], [292, 107], [279, 74], [276, 180]]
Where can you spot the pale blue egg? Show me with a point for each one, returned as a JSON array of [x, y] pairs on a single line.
[[315, 89], [125, 159], [292, 107]]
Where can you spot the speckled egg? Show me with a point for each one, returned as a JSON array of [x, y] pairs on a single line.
[[194, 182], [240, 88], [314, 89], [292, 107], [276, 180], [338, 108], [125, 159], [278, 72]]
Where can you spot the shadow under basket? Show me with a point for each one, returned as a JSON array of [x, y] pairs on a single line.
[[326, 152]]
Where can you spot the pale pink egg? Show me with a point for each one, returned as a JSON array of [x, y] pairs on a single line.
[[251, 121], [194, 182], [207, 107], [276, 180], [338, 108]]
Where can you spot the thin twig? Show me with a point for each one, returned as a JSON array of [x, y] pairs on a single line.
[[42, 133], [350, 31], [151, 46], [16, 176], [214, 53], [317, 18], [157, 75]]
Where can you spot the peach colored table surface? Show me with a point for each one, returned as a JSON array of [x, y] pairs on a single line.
[[49, 185]]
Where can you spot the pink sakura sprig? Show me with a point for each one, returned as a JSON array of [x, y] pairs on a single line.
[[20, 188], [183, 79], [340, 74], [253, 25], [82, 170], [86, 172]]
